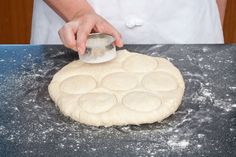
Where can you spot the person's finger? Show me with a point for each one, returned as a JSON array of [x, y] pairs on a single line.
[[109, 29], [67, 35], [118, 39], [81, 42], [82, 34]]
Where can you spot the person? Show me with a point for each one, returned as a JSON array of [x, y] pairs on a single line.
[[129, 21]]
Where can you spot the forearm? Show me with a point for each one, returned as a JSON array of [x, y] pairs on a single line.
[[222, 7], [67, 9]]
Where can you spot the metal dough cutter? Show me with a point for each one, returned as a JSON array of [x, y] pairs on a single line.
[[99, 49]]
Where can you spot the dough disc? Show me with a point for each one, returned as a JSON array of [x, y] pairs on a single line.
[[131, 89], [119, 81], [159, 81], [78, 84], [141, 101], [97, 102], [140, 63]]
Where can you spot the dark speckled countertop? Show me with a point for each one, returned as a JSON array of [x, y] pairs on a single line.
[[204, 125]]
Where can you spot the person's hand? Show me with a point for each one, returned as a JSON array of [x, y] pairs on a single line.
[[74, 33]]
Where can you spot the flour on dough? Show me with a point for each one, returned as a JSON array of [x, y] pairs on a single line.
[[131, 89]]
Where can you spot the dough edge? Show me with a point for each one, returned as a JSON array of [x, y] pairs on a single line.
[[103, 119]]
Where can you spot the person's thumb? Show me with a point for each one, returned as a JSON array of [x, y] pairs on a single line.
[[118, 40]]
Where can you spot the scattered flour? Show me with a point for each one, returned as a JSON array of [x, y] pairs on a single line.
[[180, 144], [31, 118]]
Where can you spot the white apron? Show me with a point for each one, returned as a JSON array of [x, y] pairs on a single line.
[[142, 21]]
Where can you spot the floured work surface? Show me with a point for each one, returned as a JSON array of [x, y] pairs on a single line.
[[131, 89], [204, 125]]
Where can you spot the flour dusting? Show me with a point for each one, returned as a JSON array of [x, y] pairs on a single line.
[[204, 125]]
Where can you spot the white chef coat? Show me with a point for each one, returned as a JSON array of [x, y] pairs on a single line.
[[142, 21]]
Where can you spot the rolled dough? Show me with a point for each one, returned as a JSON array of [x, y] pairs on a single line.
[[131, 89]]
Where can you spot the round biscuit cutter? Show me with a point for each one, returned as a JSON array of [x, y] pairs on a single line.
[[99, 49]]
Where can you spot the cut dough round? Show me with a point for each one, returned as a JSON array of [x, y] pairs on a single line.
[[160, 81], [131, 89], [78, 84], [120, 81], [140, 63], [97, 102], [141, 101]]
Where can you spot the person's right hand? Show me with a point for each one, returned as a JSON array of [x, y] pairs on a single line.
[[74, 33]]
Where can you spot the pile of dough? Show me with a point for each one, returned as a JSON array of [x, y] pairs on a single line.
[[131, 89]]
